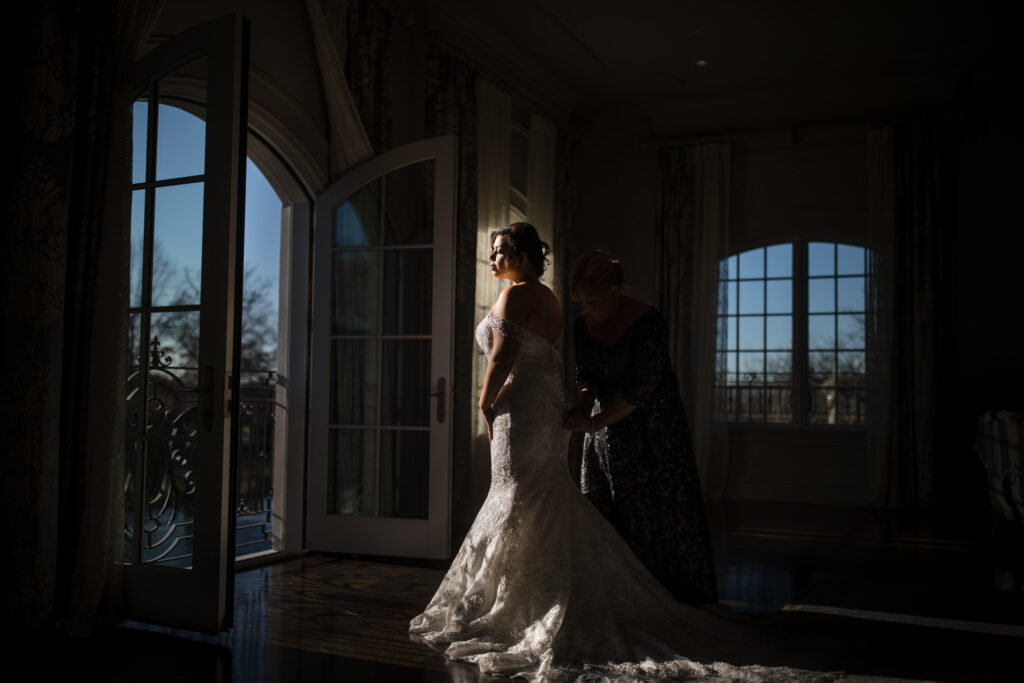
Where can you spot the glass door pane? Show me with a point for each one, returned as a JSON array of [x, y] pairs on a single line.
[[166, 293], [188, 122], [381, 282], [380, 436]]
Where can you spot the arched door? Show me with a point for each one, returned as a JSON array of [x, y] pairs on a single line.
[[183, 335], [380, 388]]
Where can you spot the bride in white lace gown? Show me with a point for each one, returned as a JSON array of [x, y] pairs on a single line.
[[543, 587]]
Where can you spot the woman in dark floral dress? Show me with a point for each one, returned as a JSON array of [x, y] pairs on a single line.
[[638, 462]]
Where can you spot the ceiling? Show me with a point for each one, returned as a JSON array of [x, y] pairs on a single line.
[[764, 61]]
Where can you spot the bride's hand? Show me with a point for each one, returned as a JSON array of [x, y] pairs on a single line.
[[488, 414]]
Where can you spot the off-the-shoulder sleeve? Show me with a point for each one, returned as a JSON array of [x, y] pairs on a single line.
[[505, 328], [649, 359]]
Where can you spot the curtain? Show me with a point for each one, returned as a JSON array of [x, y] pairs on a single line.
[[349, 144], [693, 234], [493, 131], [65, 284], [452, 110], [541, 193], [910, 232], [368, 65]]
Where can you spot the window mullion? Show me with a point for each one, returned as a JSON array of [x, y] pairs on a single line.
[[800, 381]]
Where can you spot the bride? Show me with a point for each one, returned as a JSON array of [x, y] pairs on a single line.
[[543, 587]]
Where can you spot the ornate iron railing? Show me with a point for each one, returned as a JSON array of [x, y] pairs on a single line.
[[168, 473], [255, 477]]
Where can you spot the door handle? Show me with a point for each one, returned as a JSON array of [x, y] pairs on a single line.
[[441, 402]]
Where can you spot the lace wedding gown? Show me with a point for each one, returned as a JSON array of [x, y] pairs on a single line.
[[543, 587]]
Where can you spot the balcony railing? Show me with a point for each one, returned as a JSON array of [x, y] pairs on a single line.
[[756, 397], [255, 479]]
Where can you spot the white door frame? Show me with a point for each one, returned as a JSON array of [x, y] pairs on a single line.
[[424, 538], [201, 597]]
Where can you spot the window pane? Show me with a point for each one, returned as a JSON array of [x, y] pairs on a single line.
[[731, 332], [734, 267], [168, 497], [140, 115], [751, 332], [821, 331], [851, 260], [780, 260], [751, 366], [780, 296], [180, 144], [138, 237], [409, 211], [357, 221], [821, 365], [751, 298], [752, 263], [405, 398], [779, 367], [354, 282], [404, 473], [851, 294], [851, 363], [353, 382], [732, 364], [821, 258], [822, 384], [351, 475], [733, 300], [851, 332], [821, 295], [174, 349], [408, 284], [178, 245], [779, 332]]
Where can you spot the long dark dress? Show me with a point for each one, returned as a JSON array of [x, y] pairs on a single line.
[[640, 472]]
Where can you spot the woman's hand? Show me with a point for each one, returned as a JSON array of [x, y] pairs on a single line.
[[577, 421], [488, 413]]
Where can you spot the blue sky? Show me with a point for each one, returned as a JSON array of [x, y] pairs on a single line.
[[178, 224]]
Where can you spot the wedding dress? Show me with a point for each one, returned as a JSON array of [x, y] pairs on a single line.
[[543, 587]]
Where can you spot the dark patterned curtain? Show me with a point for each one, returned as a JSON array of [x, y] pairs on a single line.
[[451, 110], [911, 230], [368, 68], [65, 282], [693, 238]]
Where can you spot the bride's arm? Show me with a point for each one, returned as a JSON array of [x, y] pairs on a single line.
[[504, 351]]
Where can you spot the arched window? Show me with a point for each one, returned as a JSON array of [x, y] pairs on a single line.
[[795, 346]]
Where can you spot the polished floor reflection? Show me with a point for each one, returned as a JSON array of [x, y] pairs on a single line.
[[909, 600]]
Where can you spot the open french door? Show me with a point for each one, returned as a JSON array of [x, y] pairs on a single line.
[[183, 340], [380, 387]]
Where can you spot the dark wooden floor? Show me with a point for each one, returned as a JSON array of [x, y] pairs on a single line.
[[914, 600]]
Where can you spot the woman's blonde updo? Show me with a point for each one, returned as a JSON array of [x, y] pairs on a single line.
[[597, 271]]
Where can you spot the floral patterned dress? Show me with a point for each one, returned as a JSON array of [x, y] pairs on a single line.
[[640, 472]]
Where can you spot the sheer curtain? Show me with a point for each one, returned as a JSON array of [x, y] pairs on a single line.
[[452, 110], [693, 232], [541, 193], [910, 232], [493, 131]]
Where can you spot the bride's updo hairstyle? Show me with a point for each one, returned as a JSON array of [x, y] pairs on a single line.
[[597, 271], [523, 239]]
